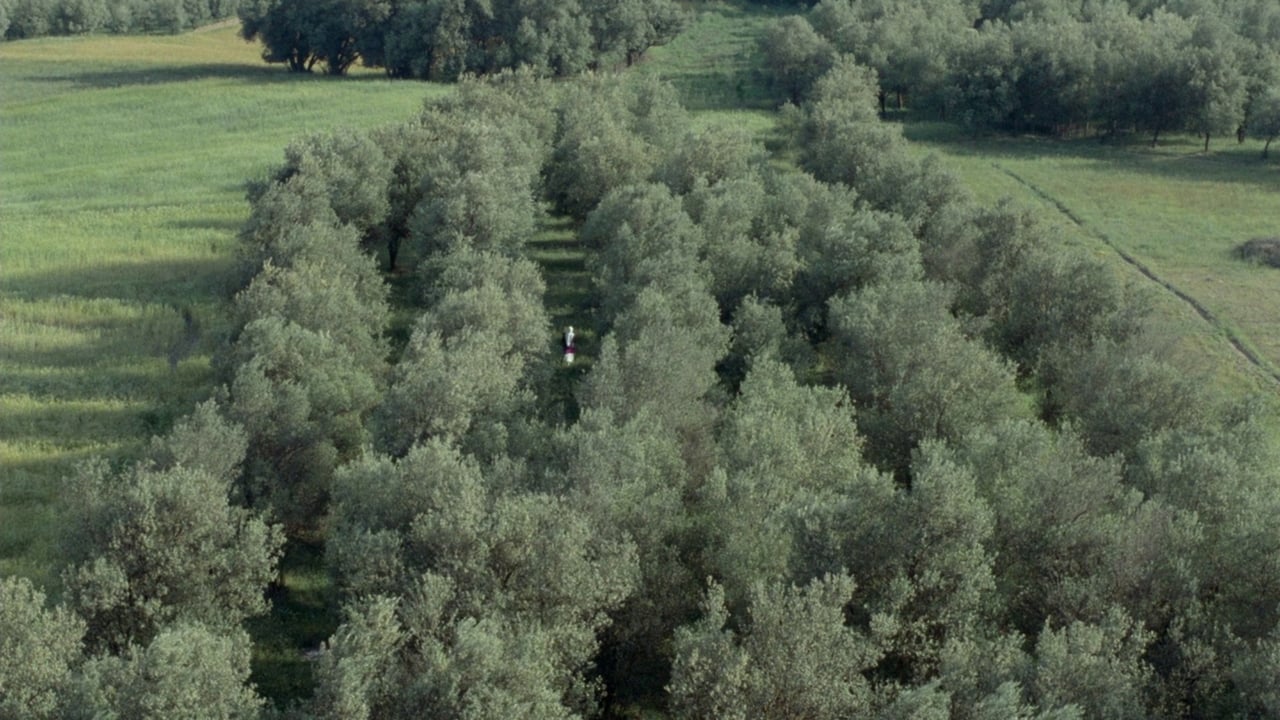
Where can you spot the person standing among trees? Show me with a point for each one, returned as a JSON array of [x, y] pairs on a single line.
[[569, 349]]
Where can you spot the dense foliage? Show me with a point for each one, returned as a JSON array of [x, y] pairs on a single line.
[[846, 443], [1208, 67], [443, 39], [22, 19], [849, 443], [161, 571]]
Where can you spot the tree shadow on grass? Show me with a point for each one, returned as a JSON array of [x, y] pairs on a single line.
[[722, 89], [254, 74], [114, 327], [157, 360], [75, 424], [568, 265], [33, 376], [54, 434], [569, 244], [174, 282], [1177, 158]]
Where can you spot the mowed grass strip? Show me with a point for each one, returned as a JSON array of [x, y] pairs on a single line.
[[716, 64], [122, 175]]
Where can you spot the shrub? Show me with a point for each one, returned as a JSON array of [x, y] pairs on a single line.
[[1261, 250]]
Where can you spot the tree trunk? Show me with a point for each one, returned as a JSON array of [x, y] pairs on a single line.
[[1266, 146], [1206, 142], [1155, 138], [393, 249]]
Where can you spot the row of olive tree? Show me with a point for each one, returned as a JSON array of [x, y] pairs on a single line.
[[167, 556], [960, 556], [22, 19], [468, 589], [444, 39], [161, 571], [849, 445], [966, 548], [1127, 424], [477, 582], [1211, 69], [306, 360]]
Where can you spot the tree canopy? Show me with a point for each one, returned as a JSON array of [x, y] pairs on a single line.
[[839, 411], [445, 39], [1047, 66], [843, 442]]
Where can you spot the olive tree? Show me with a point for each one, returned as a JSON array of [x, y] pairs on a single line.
[[1264, 120], [187, 670], [159, 541], [39, 649], [791, 656]]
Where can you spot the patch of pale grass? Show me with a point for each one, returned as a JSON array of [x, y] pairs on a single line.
[[212, 45]]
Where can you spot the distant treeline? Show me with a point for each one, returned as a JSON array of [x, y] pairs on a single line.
[[443, 39], [1210, 67], [23, 19]]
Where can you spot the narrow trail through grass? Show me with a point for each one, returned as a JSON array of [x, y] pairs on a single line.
[[1226, 333], [1178, 215], [302, 617], [563, 262]]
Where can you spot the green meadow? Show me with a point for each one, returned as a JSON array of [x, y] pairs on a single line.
[[1169, 217], [121, 191]]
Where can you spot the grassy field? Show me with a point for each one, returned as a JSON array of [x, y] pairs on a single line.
[[1175, 212], [121, 191], [124, 163]]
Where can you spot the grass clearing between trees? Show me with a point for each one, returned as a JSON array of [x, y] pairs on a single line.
[[715, 64], [1176, 211]]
